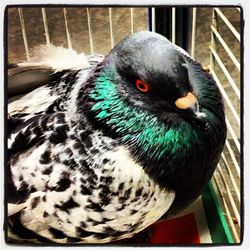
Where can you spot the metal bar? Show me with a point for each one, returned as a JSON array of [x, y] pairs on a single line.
[[25, 40], [230, 129], [236, 188], [228, 214], [67, 29], [232, 202], [227, 121], [213, 44], [111, 28], [153, 19], [45, 24], [90, 31], [227, 22], [227, 99], [225, 71], [227, 49], [150, 19], [193, 32], [231, 152], [132, 19], [173, 25]]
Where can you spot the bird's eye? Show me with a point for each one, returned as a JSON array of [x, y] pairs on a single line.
[[142, 86]]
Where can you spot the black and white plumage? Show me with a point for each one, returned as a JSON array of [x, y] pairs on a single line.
[[96, 155]]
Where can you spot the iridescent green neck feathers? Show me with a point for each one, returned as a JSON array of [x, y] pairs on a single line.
[[138, 126]]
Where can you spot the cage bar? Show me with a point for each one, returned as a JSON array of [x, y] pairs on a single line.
[[132, 19], [90, 31], [173, 36], [225, 71], [111, 28], [153, 19], [194, 11], [231, 197], [227, 49], [231, 152], [225, 95], [45, 24], [229, 25], [213, 44], [227, 211], [67, 29], [25, 40], [229, 194], [232, 179], [230, 129]]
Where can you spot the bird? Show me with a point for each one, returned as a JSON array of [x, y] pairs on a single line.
[[99, 152]]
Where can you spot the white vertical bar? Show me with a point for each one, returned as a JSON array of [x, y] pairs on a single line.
[[153, 19], [132, 19], [174, 25], [214, 22], [67, 29], [193, 32], [45, 24], [111, 28], [25, 40], [90, 32]]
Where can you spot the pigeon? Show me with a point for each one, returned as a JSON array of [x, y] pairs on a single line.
[[99, 152]]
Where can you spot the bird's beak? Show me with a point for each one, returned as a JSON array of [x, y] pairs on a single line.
[[188, 102]]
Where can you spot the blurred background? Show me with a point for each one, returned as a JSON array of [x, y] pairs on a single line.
[[211, 35]]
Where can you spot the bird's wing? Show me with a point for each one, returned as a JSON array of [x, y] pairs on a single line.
[[45, 79], [26, 131], [50, 90], [34, 102], [43, 62], [37, 88], [66, 181]]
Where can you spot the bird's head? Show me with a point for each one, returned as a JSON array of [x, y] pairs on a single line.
[[153, 74], [160, 103]]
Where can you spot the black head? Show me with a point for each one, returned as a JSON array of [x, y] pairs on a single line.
[[154, 72]]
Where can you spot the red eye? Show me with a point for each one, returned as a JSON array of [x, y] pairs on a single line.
[[142, 86]]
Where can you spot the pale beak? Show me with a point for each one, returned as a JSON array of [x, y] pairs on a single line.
[[188, 102]]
